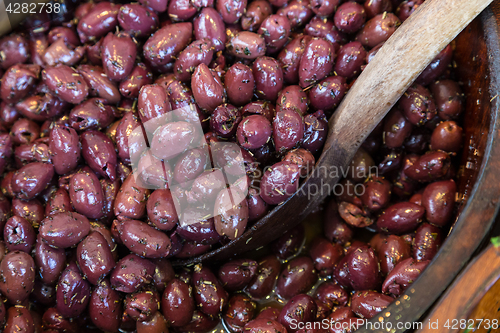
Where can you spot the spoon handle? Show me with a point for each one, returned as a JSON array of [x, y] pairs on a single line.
[[396, 65]]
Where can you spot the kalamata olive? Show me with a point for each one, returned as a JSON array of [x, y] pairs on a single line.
[[151, 172], [153, 102], [392, 251], [290, 56], [62, 52], [192, 249], [349, 17], [290, 243], [430, 166], [131, 273], [367, 304], [64, 229], [23, 131], [49, 261], [325, 255], [131, 200], [18, 234], [417, 105], [91, 114], [438, 199], [140, 76], [99, 84], [403, 185], [73, 292], [292, 98], [298, 12], [19, 319], [315, 132], [86, 194], [31, 179], [240, 84], [427, 241], [256, 12], [65, 83], [161, 210], [142, 305], [231, 10], [375, 7], [317, 62], [323, 28], [207, 88], [396, 129], [144, 240], [335, 229], [31, 210], [257, 207], [200, 322], [328, 93], [265, 326], [378, 29], [8, 114], [94, 257], [105, 307], [158, 5], [332, 294], [161, 48], [448, 97], [276, 30], [156, 323], [406, 8], [240, 311], [269, 312], [400, 218], [377, 193], [254, 131], [403, 275], [99, 153], [298, 310], [94, 53], [198, 52], [236, 274], [225, 120], [447, 136], [17, 270], [110, 191], [265, 277], [297, 277], [65, 149], [247, 45], [18, 81], [209, 24], [279, 182], [99, 20], [437, 67], [177, 303], [128, 123], [137, 20], [181, 10], [202, 231], [14, 50], [208, 291], [354, 215], [230, 213], [359, 269], [268, 77]]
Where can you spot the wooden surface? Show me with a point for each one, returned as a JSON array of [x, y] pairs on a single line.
[[402, 58]]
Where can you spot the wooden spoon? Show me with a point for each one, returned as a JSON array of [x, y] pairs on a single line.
[[397, 64]]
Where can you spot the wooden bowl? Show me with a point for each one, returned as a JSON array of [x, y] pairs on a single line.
[[477, 56]]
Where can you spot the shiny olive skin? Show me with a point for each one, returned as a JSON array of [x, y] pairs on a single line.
[[354, 215], [349, 17], [161, 210], [86, 194], [156, 324], [240, 84], [264, 325], [417, 105], [438, 199], [31, 210], [392, 251], [18, 81], [65, 83], [137, 20], [144, 240], [73, 292], [276, 31], [99, 20], [447, 136], [91, 114], [209, 24], [142, 305], [323, 28], [246, 45], [64, 229], [265, 277], [208, 291], [448, 97], [225, 120], [208, 89], [437, 67], [158, 5], [19, 319], [290, 243], [401, 218], [23, 131], [64, 145], [199, 51], [315, 132], [17, 270], [152, 103], [268, 77], [140, 76], [230, 213], [128, 123], [334, 227], [298, 12], [290, 56], [240, 311], [359, 269], [325, 255], [32, 179], [279, 182], [99, 153], [49, 261], [18, 235], [300, 309], [367, 304], [375, 7], [403, 275], [236, 274], [429, 167], [257, 207], [316, 62], [256, 12], [328, 93], [94, 257], [406, 8], [200, 322], [293, 98], [167, 42], [377, 193], [253, 131], [427, 241], [177, 303], [332, 294], [131, 200], [378, 29], [15, 50], [118, 55], [231, 10], [297, 277], [203, 231], [105, 307], [131, 273]]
